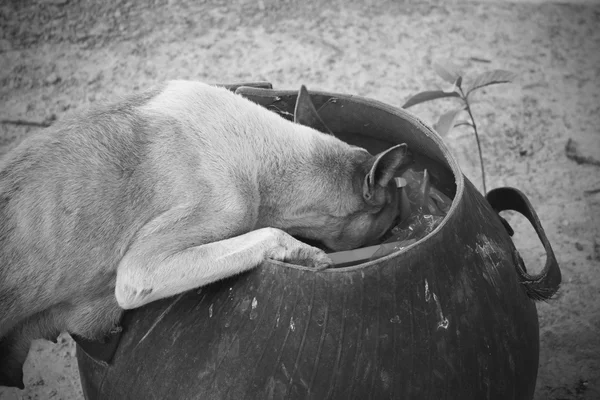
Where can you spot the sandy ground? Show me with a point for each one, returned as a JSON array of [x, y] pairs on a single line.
[[60, 56]]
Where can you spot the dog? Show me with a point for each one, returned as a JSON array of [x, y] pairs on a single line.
[[166, 191]]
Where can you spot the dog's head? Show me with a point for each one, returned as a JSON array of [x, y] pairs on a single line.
[[350, 200]]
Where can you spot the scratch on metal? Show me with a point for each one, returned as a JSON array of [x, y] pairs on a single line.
[[443, 321], [427, 293], [487, 249], [159, 318]]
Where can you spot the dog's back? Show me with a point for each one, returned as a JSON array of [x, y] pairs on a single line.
[[72, 198], [69, 199]]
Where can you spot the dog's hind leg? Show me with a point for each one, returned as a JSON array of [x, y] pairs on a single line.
[[88, 318], [14, 347]]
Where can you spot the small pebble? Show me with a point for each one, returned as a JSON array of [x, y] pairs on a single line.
[[52, 79], [578, 246]]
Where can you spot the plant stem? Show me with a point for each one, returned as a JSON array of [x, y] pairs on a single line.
[[468, 108]]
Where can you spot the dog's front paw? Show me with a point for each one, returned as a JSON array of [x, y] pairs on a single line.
[[286, 248]]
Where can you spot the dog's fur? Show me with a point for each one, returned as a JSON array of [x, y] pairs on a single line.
[[163, 192]]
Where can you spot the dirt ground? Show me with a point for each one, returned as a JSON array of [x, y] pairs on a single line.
[[60, 56]]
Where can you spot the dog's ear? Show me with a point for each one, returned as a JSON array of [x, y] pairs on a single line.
[[382, 171], [305, 112]]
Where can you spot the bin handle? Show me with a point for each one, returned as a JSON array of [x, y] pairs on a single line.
[[545, 284]]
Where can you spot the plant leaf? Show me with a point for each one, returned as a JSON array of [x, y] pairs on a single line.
[[448, 72], [427, 96], [455, 86], [447, 120], [491, 78], [462, 123]]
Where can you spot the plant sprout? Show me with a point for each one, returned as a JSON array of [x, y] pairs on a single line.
[[449, 119]]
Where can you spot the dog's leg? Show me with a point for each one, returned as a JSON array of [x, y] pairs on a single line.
[[12, 358], [169, 258], [14, 347]]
